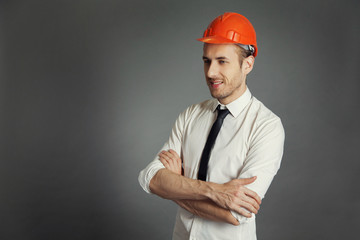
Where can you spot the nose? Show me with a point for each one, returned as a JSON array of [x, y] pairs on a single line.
[[211, 70]]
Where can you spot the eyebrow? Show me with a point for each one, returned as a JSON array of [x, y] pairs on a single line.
[[218, 58]]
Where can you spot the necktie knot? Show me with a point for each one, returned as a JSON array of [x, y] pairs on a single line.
[[222, 113]]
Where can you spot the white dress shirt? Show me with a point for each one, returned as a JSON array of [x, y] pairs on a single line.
[[250, 143]]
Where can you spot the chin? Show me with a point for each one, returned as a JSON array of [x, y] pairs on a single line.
[[214, 95], [217, 96]]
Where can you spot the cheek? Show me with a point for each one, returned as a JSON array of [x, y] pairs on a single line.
[[228, 76]]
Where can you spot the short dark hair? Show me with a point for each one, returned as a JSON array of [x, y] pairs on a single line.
[[242, 53]]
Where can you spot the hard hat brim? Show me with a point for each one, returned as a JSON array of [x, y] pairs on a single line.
[[215, 40], [221, 40]]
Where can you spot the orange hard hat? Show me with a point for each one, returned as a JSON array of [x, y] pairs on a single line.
[[231, 28]]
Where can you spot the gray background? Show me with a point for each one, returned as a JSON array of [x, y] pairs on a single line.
[[91, 89]]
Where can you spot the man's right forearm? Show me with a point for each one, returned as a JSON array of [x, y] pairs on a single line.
[[231, 195], [208, 210], [169, 185], [190, 194]]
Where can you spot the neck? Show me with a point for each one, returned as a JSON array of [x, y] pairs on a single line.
[[239, 92]]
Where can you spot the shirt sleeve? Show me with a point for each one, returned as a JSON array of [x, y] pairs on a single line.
[[174, 142], [263, 158]]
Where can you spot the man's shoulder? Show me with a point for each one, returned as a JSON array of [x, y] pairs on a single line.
[[200, 107], [204, 105], [265, 123], [261, 112]]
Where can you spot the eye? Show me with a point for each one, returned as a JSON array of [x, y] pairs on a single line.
[[222, 61], [206, 61]]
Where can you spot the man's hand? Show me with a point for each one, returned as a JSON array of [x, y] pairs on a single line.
[[171, 160], [233, 195]]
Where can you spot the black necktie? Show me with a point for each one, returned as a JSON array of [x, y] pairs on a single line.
[[210, 142]]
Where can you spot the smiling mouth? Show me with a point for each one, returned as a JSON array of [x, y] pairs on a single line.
[[215, 84]]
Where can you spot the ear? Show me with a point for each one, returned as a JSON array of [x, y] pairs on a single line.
[[248, 64]]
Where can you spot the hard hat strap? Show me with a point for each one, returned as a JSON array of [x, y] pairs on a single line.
[[247, 47]]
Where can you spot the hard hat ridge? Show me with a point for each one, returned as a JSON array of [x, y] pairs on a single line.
[[231, 28]]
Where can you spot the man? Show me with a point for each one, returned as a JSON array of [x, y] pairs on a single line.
[[223, 153]]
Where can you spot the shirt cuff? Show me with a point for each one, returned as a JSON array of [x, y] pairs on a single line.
[[148, 173]]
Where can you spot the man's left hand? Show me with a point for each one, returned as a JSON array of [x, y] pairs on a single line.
[[171, 160]]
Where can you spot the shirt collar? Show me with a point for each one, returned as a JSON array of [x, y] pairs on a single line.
[[236, 106]]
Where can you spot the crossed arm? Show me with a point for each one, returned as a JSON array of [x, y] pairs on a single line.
[[205, 199]]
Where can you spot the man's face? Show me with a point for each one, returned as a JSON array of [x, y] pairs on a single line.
[[224, 75]]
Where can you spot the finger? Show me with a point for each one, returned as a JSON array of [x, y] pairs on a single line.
[[164, 162], [248, 207], [243, 212], [174, 163], [163, 158], [170, 162], [252, 202], [175, 157], [253, 195], [169, 155], [174, 153], [246, 181]]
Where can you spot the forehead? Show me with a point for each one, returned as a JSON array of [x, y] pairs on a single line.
[[219, 50]]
